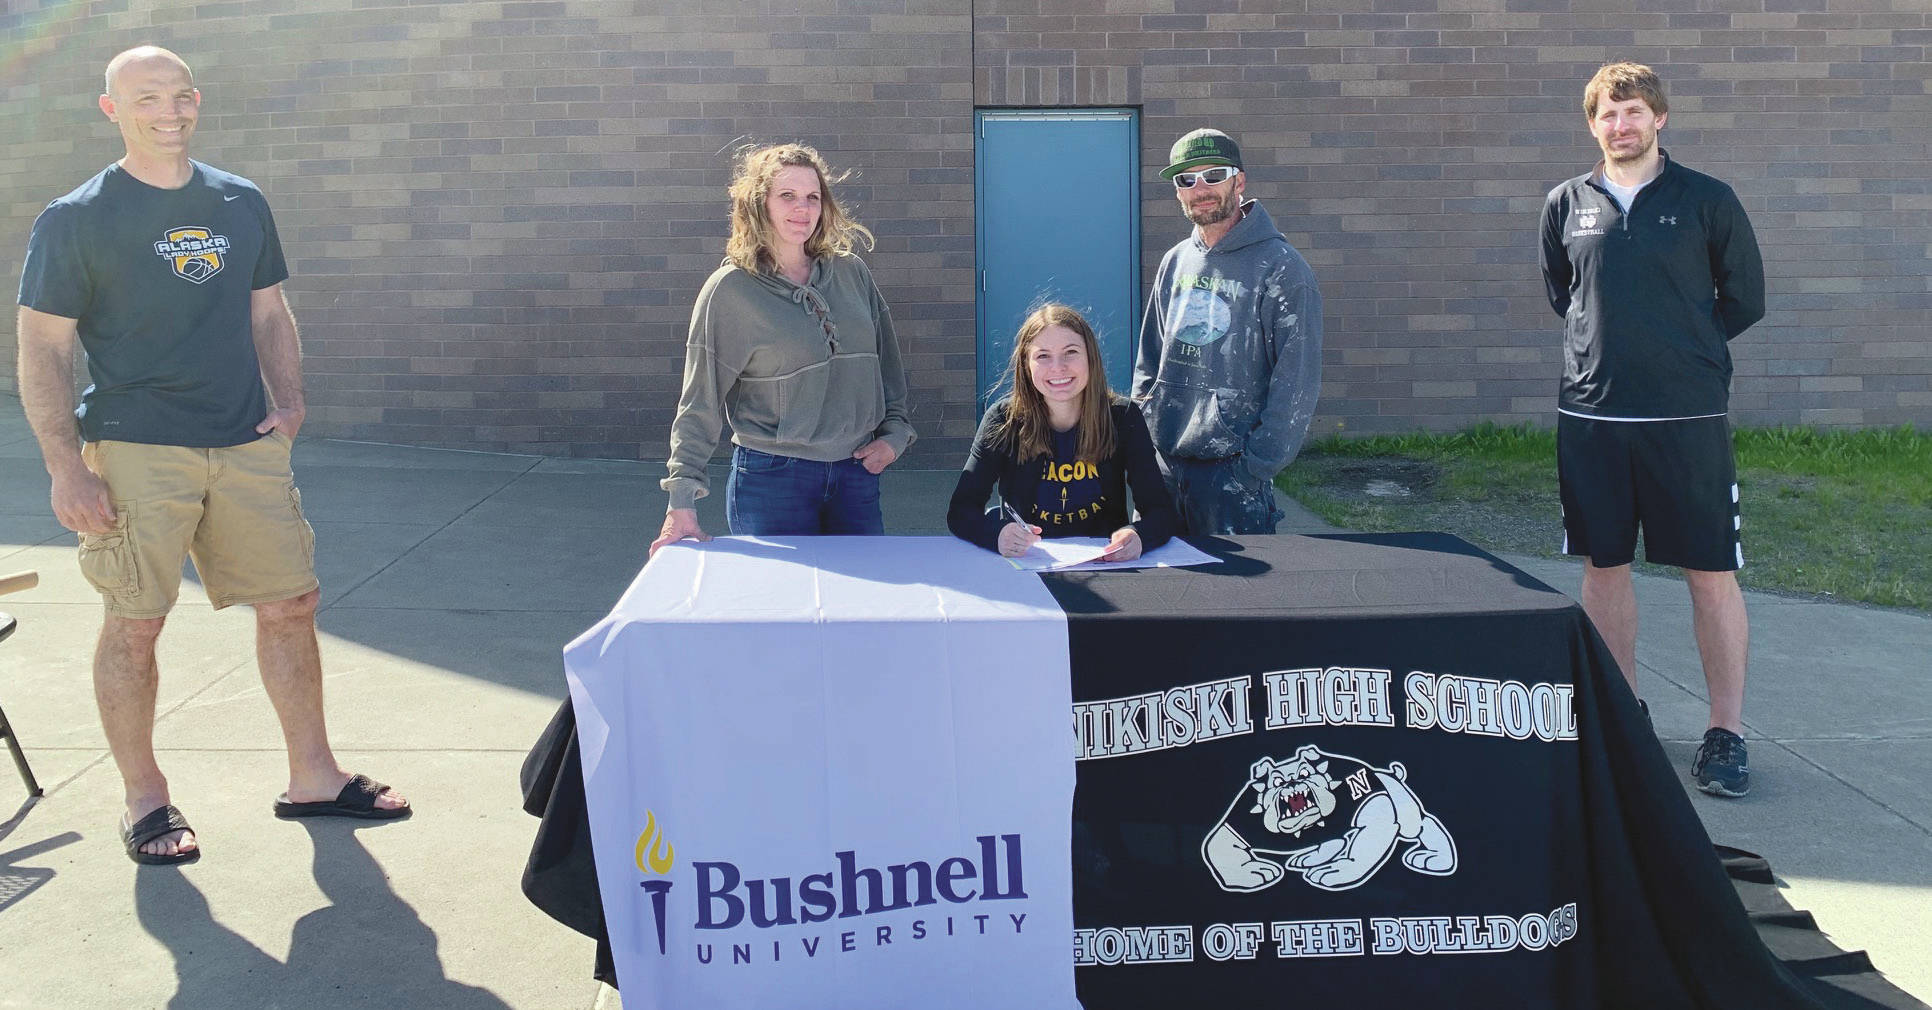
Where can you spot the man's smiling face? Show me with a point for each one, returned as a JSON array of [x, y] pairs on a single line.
[[1626, 130], [156, 105]]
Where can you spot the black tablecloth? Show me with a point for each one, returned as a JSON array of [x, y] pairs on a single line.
[[1522, 826]]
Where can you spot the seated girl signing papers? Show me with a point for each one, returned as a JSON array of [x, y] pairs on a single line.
[[1062, 450]]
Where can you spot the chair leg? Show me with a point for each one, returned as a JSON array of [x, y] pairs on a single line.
[[19, 759]]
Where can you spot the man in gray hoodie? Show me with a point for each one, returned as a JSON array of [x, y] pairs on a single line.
[[1229, 364]]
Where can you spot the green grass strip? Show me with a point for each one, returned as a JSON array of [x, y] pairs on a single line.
[[1832, 514]]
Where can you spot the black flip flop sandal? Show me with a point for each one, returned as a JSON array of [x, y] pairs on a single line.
[[161, 820], [357, 799]]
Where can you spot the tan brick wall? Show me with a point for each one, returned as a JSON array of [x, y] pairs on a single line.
[[1405, 147], [497, 214]]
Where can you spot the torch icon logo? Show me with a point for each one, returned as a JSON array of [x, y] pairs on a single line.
[[654, 854]]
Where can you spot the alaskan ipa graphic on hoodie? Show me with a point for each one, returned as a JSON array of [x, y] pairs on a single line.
[[1229, 362], [1201, 314]]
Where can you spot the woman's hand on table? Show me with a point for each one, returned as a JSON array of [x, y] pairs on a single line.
[[679, 524], [1125, 545], [1017, 538], [876, 455]]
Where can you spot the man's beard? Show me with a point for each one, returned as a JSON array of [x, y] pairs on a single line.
[[1220, 211], [1647, 143]]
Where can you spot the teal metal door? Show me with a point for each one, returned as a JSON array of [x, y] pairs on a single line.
[[1058, 215]]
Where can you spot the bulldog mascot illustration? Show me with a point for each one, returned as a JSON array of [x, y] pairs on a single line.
[[1333, 818]]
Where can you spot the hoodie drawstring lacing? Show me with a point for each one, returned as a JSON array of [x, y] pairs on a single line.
[[814, 305]]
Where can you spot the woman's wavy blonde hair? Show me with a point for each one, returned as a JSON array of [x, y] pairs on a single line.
[[752, 236], [1027, 431]]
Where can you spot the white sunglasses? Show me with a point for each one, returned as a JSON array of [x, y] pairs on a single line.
[[1213, 176]]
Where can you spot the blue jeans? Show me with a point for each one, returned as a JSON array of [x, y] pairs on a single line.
[[780, 496]]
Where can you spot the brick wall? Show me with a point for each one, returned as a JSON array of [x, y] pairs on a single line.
[[1406, 152], [497, 214]]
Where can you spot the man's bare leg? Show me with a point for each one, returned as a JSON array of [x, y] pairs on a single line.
[[1610, 600], [1723, 643], [126, 678], [291, 665]]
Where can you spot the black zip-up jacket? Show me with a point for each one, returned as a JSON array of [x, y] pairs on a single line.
[[1650, 298]]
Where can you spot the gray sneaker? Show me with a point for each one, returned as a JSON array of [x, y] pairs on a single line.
[[1721, 767]]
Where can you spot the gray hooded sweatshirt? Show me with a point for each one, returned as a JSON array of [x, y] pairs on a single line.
[[1230, 352], [809, 371]]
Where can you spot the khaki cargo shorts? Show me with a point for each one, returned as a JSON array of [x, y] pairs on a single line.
[[235, 510]]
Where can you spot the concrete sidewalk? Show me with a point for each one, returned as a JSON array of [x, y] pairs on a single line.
[[450, 582]]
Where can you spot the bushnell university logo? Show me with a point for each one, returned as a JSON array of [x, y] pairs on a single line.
[[196, 253], [654, 859]]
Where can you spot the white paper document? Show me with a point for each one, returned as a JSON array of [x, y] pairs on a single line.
[[1078, 554]]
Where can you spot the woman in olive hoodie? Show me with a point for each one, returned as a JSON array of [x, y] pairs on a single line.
[[792, 343]]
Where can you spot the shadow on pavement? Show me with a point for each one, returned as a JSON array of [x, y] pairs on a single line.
[[16, 881], [214, 966], [367, 947]]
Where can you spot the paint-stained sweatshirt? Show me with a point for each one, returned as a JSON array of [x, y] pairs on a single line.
[[809, 371], [1230, 351]]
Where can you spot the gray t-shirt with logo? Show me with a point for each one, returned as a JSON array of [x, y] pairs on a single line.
[[159, 282]]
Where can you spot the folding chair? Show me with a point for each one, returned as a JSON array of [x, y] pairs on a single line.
[[8, 584]]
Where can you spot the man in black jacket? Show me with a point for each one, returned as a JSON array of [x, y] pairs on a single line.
[[1654, 268]]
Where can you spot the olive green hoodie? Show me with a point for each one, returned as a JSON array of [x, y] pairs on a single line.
[[810, 371]]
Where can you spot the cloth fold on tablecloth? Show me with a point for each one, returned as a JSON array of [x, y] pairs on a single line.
[[560, 877]]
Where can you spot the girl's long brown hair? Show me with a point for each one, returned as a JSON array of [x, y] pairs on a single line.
[[752, 235], [1027, 431]]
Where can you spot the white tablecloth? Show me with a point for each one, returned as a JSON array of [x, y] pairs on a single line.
[[840, 769]]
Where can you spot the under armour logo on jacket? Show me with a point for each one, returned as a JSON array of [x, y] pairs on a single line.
[[1666, 220]]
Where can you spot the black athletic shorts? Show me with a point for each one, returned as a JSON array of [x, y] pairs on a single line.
[[1676, 479]]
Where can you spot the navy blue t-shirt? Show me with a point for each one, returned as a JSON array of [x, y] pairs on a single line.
[[1071, 499], [159, 281]]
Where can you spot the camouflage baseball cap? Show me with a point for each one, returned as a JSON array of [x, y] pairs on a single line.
[[1200, 148]]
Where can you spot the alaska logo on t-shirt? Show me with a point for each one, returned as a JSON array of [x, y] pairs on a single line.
[[196, 252]]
